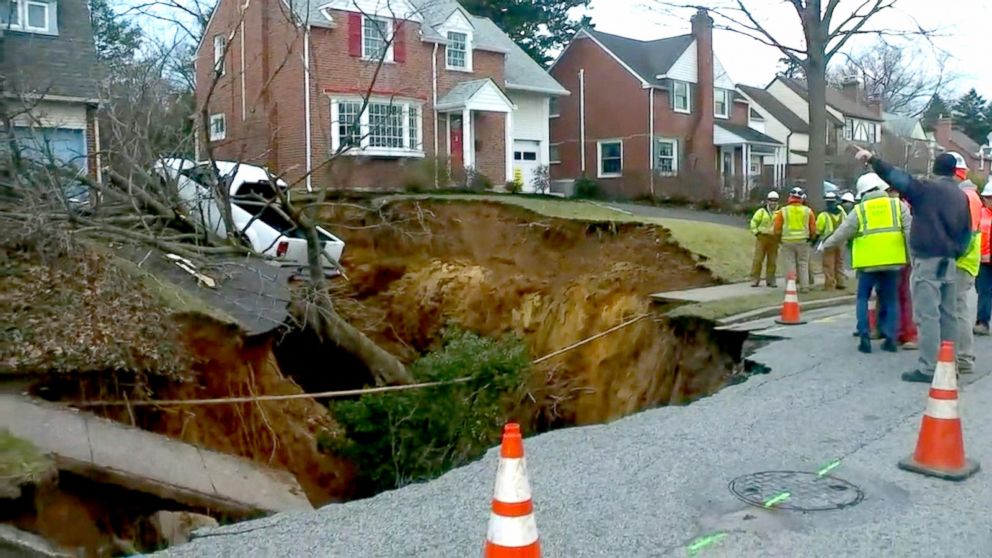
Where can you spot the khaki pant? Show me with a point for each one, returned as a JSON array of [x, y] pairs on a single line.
[[796, 256], [765, 254], [966, 307], [833, 268]]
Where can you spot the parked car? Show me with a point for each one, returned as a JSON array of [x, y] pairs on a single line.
[[264, 228]]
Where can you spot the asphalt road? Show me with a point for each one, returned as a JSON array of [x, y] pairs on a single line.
[[654, 483]]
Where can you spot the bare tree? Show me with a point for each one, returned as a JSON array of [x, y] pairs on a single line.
[[827, 26]]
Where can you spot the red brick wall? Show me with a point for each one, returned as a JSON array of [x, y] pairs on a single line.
[[490, 146], [739, 113]]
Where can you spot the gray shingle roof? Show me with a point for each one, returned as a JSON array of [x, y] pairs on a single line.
[[835, 99], [747, 134], [63, 65], [461, 93], [648, 59], [776, 109], [962, 140]]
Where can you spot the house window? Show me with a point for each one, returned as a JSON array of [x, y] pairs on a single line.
[[220, 44], [375, 38], [871, 133], [755, 166], [37, 16], [554, 153], [680, 97], [218, 127], [10, 13], [384, 128], [721, 103], [457, 51], [667, 152], [610, 158], [554, 111], [849, 129]]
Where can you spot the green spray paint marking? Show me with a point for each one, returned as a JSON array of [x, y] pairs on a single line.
[[705, 541], [829, 467], [777, 499]]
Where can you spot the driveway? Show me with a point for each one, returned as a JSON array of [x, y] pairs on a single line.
[[680, 213], [654, 483]]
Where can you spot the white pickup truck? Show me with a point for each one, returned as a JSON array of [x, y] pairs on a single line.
[[267, 231]]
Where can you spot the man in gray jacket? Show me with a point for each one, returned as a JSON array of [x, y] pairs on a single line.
[[879, 226]]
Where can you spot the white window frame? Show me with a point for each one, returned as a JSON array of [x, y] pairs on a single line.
[[388, 39], [675, 97], [48, 16], [872, 133], [675, 156], [16, 13], [599, 158], [364, 148], [220, 54], [468, 51], [849, 129], [214, 134], [725, 93], [552, 149]]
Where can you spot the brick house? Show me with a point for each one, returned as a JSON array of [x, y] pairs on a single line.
[[48, 65], [784, 126], [950, 138], [453, 92], [659, 118], [907, 144]]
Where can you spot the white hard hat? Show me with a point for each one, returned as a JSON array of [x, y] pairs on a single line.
[[869, 182], [773, 195], [797, 192], [830, 196], [847, 197], [959, 162], [987, 192]]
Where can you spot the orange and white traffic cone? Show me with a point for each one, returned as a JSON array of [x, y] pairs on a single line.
[[512, 527], [940, 448], [790, 307]]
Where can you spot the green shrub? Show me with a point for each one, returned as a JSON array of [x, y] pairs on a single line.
[[542, 180], [513, 187], [408, 436], [477, 182], [586, 188]]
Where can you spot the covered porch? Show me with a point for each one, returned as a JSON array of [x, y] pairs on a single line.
[[476, 120], [743, 155]]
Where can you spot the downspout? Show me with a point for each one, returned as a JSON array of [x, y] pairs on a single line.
[[96, 145], [434, 106], [582, 119], [651, 139], [306, 108]]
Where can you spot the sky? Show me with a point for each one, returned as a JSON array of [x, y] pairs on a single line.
[[964, 33]]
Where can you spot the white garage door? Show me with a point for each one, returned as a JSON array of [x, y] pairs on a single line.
[[526, 159]]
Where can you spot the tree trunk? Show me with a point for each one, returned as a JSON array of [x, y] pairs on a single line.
[[816, 163]]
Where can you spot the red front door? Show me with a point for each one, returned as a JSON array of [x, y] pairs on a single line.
[[457, 140]]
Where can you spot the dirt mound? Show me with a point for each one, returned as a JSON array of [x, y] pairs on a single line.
[[418, 267]]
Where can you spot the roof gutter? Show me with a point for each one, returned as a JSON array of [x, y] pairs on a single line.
[[533, 89]]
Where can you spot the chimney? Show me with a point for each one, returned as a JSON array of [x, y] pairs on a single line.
[[875, 104], [851, 88], [702, 149], [942, 131]]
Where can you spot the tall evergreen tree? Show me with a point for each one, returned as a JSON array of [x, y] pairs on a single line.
[[540, 27], [970, 116], [936, 110], [117, 38]]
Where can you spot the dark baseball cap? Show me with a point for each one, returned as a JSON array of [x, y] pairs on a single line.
[[944, 165]]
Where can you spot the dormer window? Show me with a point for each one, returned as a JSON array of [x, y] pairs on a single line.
[[376, 36], [459, 57], [33, 16], [680, 97], [721, 103]]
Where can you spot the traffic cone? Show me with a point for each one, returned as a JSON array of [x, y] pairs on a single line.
[[940, 448], [512, 527], [790, 307]]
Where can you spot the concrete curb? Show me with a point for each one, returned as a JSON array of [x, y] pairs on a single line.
[[772, 311]]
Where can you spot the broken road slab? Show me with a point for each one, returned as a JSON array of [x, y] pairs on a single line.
[[653, 483], [107, 451]]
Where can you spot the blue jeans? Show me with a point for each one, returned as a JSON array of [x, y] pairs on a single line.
[[984, 285], [886, 286]]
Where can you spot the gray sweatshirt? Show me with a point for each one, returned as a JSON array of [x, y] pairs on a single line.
[[849, 229]]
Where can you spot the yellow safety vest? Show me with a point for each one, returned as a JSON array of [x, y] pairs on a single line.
[[880, 240], [827, 223], [795, 223], [972, 259], [762, 222]]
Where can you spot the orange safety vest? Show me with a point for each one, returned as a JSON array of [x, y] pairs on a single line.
[[975, 207], [986, 235]]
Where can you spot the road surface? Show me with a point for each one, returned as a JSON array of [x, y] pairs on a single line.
[[654, 483]]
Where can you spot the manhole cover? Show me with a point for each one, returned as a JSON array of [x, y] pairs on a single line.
[[807, 491]]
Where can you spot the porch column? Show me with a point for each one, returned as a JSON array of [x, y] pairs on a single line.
[[746, 167], [468, 139], [508, 125]]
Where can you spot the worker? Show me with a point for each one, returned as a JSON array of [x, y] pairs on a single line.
[[795, 224], [940, 234], [826, 223], [879, 226], [908, 333], [985, 271], [967, 270], [847, 202], [766, 243]]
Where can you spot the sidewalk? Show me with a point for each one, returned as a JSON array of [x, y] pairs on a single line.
[[722, 292], [110, 452]]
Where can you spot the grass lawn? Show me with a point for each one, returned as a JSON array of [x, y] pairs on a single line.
[[21, 462], [718, 309], [725, 251]]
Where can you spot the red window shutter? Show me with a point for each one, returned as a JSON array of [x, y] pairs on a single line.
[[399, 42], [355, 34]]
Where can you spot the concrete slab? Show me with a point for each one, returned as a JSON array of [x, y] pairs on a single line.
[[111, 452]]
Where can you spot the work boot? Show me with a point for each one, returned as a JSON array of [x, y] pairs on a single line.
[[773, 284], [756, 283], [890, 346], [841, 287], [910, 346], [981, 329], [966, 368], [917, 377], [865, 345]]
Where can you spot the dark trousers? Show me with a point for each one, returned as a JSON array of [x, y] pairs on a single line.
[[984, 286], [886, 285]]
